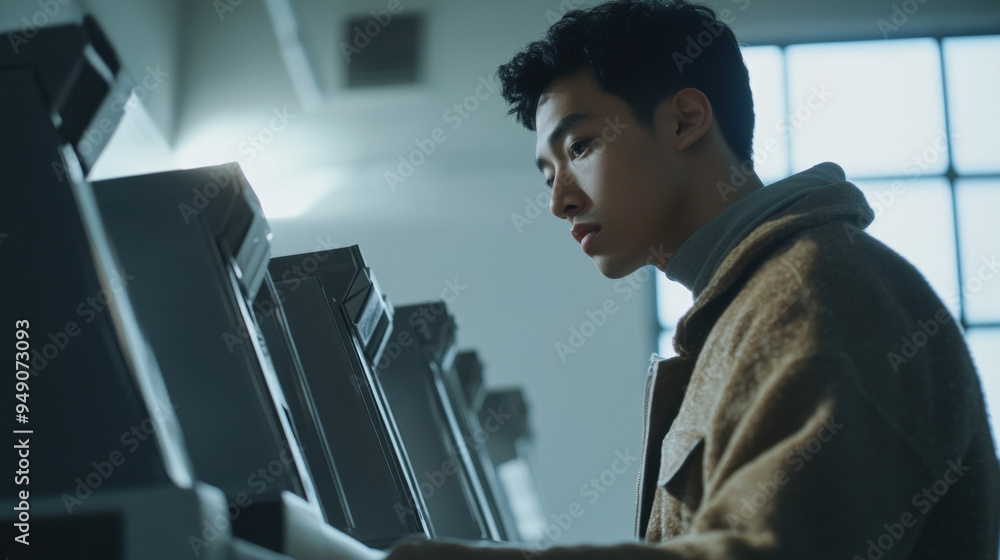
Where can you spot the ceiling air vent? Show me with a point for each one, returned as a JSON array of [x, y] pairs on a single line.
[[382, 48]]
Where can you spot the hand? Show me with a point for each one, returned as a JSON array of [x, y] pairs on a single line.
[[322, 542]]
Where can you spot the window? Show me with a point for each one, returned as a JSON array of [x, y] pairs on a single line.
[[915, 126]]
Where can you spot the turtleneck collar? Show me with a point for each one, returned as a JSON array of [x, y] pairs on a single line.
[[698, 258]]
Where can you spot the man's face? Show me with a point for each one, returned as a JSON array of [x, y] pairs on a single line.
[[607, 170]]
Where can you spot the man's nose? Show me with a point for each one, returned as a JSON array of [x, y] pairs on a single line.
[[565, 196]]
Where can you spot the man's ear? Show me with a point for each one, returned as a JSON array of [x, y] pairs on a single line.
[[684, 118]]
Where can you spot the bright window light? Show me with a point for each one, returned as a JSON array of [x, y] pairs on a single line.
[[979, 231], [770, 139], [666, 344], [673, 302], [972, 70], [874, 107], [136, 147], [985, 347]]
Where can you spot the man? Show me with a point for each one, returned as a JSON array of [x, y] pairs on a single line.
[[795, 422]]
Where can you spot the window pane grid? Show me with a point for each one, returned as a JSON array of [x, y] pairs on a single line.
[[669, 310]]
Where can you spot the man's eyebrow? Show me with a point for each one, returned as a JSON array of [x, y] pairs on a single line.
[[564, 125]]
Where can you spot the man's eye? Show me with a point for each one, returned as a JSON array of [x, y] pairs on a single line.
[[578, 148], [548, 182]]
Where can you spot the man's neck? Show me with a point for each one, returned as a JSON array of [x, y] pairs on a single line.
[[735, 185], [716, 189], [696, 261]]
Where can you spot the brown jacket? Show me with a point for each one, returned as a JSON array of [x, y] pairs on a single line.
[[823, 404]]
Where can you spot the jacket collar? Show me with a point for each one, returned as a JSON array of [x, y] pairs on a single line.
[[836, 202]]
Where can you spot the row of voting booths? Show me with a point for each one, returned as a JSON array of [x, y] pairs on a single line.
[[185, 394]]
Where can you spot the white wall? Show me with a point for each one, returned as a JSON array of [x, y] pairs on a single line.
[[147, 36]]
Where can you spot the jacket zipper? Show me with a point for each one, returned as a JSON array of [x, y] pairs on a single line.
[[642, 464]]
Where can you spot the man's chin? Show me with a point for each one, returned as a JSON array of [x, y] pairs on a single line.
[[613, 268]]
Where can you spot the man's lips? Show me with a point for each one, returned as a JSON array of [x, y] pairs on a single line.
[[579, 231], [585, 234]]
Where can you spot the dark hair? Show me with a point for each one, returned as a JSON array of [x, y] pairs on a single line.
[[643, 51]]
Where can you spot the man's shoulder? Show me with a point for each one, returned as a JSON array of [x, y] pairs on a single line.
[[846, 296], [853, 292], [837, 262]]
